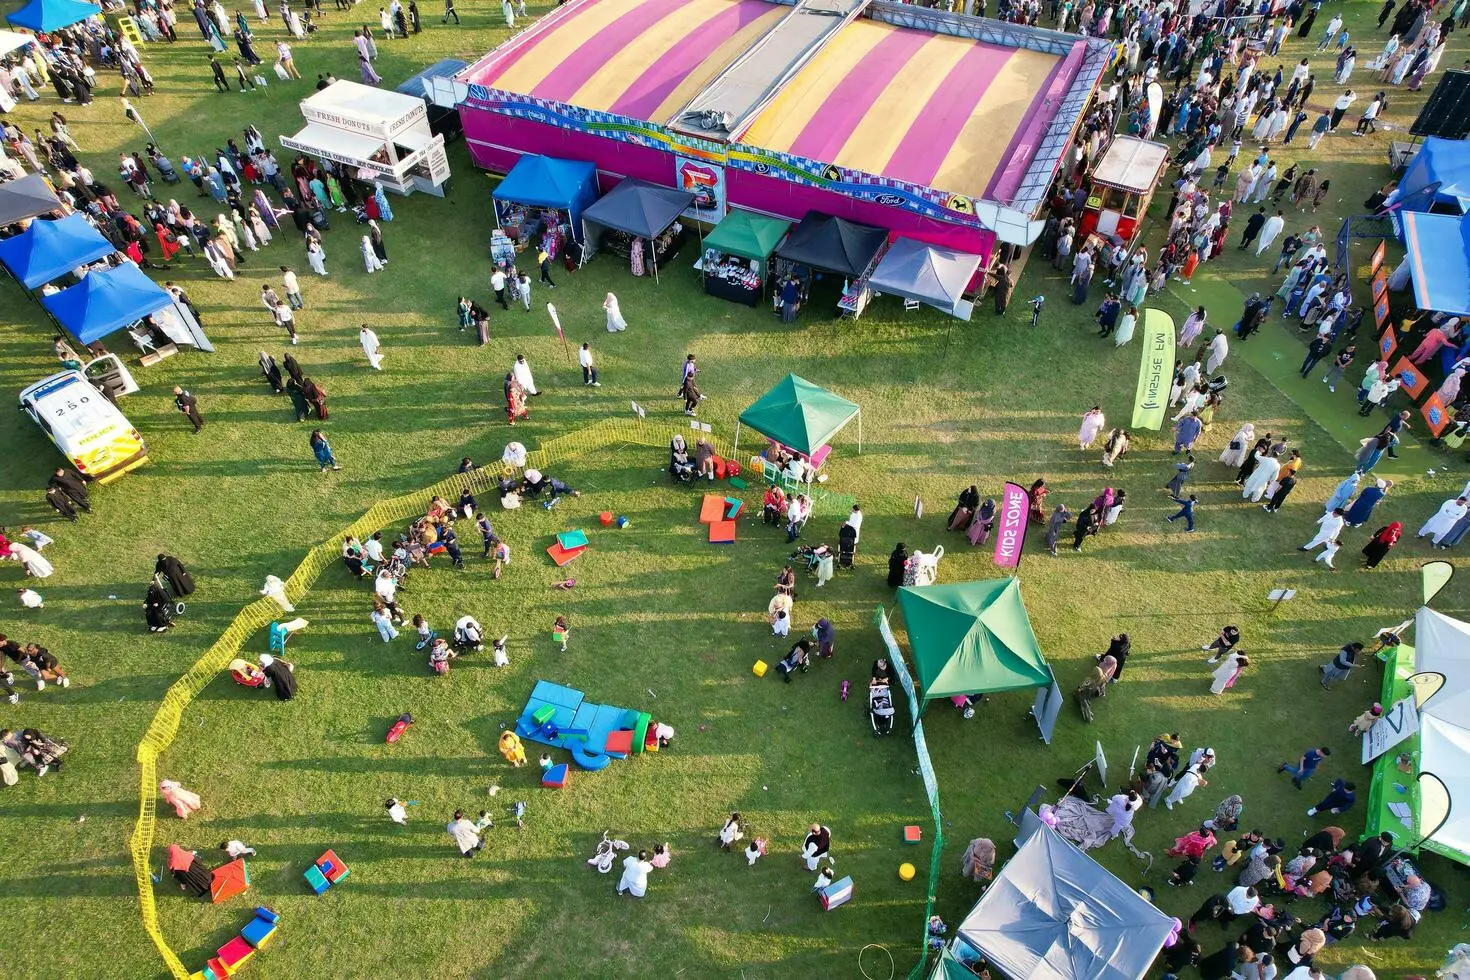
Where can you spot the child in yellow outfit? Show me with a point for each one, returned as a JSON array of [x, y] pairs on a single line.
[[510, 747]]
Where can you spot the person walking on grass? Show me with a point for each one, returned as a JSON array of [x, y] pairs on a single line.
[[292, 287], [189, 405], [589, 369], [370, 346], [466, 836], [1186, 511], [322, 450], [1306, 765]]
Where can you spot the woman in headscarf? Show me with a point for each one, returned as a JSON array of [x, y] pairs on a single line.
[[964, 509], [984, 519], [36, 566], [1227, 814], [896, 561], [178, 576], [1235, 452], [1092, 423], [1115, 446], [1381, 544], [190, 872], [282, 676], [1229, 671], [375, 235], [1258, 868], [978, 862], [1037, 494]]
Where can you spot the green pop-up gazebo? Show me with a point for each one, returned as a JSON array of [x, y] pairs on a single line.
[[748, 235], [801, 415], [972, 638]]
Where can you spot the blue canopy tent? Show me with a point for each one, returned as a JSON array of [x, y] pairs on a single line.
[[106, 301], [1438, 247], [48, 250], [1443, 162], [546, 182], [52, 15]]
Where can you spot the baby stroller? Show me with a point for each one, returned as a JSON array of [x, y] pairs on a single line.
[[880, 709], [41, 750], [159, 608], [1218, 384], [812, 557], [846, 545], [923, 568]]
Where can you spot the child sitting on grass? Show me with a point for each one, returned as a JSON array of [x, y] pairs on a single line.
[[755, 850]]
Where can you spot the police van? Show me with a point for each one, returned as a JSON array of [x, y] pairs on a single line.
[[96, 439]]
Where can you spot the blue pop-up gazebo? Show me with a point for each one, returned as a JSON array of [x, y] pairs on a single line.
[[106, 301], [547, 182], [48, 250], [52, 15]]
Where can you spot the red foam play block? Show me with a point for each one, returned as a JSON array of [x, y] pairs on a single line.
[[562, 555], [330, 859], [722, 532], [234, 952], [621, 741], [912, 834], [712, 509]]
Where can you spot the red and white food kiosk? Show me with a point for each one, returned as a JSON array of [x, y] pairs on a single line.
[[1123, 183]]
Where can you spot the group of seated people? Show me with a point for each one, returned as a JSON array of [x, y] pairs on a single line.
[[532, 484], [684, 467], [793, 465]]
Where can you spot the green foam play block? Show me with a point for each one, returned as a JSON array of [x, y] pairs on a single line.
[[737, 483], [544, 714], [572, 539]]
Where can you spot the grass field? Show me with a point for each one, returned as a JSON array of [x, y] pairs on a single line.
[[655, 609]]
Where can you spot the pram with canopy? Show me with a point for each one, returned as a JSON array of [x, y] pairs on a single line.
[[880, 709]]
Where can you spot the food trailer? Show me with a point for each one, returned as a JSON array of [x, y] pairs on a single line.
[[1123, 183], [383, 136]]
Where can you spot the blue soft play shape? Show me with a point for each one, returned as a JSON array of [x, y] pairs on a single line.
[[588, 760]]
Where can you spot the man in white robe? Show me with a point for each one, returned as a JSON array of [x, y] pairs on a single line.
[[1329, 526], [522, 372], [1437, 526]]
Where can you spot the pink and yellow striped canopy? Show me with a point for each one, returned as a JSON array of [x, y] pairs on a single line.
[[931, 109]]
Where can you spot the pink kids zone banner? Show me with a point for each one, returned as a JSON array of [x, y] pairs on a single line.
[[1010, 538]]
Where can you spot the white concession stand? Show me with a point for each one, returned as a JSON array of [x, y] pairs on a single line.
[[383, 135]]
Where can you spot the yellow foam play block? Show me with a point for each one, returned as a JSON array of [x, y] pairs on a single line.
[[759, 669]]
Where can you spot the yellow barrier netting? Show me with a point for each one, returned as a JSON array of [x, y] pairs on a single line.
[[262, 612]]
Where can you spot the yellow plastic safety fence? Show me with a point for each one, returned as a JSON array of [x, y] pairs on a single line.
[[259, 614]]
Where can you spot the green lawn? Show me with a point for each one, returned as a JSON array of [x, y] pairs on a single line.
[[663, 621]]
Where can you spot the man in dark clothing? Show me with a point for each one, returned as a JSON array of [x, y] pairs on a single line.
[[219, 75], [189, 405], [62, 503], [1253, 227], [543, 262], [1319, 348], [1383, 13], [1107, 315], [1369, 854], [73, 486]]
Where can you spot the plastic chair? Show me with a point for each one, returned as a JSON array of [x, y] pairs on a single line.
[[910, 305]]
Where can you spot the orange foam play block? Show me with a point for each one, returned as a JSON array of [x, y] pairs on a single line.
[[722, 532], [712, 509], [562, 555]]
